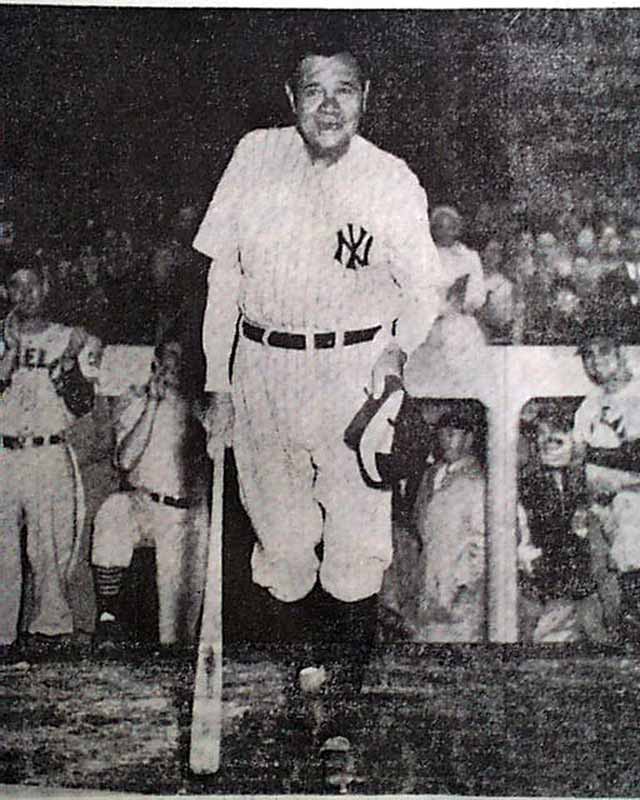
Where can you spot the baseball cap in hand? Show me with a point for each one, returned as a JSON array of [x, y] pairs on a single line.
[[370, 434]]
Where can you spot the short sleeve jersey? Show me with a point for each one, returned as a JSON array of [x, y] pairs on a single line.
[[30, 405]]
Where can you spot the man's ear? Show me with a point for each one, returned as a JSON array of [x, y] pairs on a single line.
[[290, 96], [365, 95]]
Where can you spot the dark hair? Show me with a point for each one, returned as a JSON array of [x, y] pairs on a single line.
[[558, 416], [325, 43]]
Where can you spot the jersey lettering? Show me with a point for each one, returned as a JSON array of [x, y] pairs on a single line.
[[33, 358], [356, 248]]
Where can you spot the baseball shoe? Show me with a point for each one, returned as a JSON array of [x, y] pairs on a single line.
[[110, 635]]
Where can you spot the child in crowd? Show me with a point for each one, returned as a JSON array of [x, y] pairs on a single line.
[[160, 448], [42, 390], [449, 518]]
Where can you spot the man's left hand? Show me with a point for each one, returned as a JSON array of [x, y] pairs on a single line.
[[389, 362]]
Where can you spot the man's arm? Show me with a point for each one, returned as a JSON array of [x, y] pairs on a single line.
[[417, 268], [133, 434], [626, 457], [77, 391]]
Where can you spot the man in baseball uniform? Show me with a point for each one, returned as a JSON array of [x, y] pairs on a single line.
[[321, 255], [164, 507], [607, 428], [42, 391]]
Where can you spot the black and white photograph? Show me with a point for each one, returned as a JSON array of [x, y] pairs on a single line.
[[319, 366]]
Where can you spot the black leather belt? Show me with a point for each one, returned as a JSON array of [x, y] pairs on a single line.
[[165, 499], [20, 442], [298, 341]]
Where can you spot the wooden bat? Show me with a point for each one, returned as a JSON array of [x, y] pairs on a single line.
[[206, 721]]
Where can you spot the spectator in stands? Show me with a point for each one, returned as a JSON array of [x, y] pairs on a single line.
[[566, 317], [558, 592], [498, 312], [449, 517], [456, 258], [618, 293]]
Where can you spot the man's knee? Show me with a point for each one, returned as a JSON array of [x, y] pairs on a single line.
[[113, 532]]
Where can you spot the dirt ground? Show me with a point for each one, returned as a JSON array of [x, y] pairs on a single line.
[[475, 720]]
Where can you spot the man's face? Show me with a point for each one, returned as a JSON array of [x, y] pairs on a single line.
[[26, 293], [328, 100], [454, 443], [492, 255], [567, 302], [169, 367], [555, 446], [445, 230], [602, 361]]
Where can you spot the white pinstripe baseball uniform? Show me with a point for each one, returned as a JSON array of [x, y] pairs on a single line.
[[299, 247]]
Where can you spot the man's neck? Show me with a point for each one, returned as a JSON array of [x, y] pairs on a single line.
[[29, 325]]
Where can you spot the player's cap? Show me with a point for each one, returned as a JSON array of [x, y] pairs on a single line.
[[370, 435]]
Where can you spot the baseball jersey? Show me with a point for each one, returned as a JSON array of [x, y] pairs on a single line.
[[30, 405], [300, 246]]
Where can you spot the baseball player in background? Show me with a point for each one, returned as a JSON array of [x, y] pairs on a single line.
[[157, 440], [42, 391], [321, 254], [607, 429]]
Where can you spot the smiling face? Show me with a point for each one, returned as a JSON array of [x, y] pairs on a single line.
[[328, 100], [555, 446]]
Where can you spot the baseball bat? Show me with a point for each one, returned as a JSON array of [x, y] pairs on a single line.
[[206, 720]]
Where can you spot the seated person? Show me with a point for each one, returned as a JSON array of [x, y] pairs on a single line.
[[457, 259], [558, 600], [157, 448], [449, 518], [607, 430]]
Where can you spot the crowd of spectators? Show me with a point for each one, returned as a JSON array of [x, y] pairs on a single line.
[[545, 277]]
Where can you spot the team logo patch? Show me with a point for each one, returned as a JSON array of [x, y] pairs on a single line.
[[353, 249]]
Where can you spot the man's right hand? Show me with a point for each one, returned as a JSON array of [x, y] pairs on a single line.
[[218, 422]]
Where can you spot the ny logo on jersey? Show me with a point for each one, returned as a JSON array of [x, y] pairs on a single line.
[[356, 248]]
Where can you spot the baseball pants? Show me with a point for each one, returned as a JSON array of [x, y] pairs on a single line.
[[299, 482], [38, 491], [131, 519]]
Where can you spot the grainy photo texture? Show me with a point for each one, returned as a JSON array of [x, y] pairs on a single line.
[[319, 401]]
